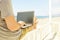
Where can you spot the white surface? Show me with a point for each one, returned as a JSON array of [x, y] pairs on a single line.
[[44, 31]]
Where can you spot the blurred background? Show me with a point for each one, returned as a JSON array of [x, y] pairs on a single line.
[[40, 7], [55, 6]]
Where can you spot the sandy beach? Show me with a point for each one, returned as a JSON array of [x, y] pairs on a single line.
[[56, 19], [44, 30]]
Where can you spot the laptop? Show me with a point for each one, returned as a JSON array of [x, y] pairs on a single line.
[[27, 17]]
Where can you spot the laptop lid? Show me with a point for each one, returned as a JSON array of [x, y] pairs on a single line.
[[27, 17]]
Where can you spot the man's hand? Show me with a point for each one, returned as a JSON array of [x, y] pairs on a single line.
[[21, 23], [32, 27], [34, 24]]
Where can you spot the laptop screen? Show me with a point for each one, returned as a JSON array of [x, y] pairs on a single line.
[[26, 17]]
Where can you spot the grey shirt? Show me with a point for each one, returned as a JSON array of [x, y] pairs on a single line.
[[6, 34], [6, 10]]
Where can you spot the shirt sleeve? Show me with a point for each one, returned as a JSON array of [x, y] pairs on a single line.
[[6, 8]]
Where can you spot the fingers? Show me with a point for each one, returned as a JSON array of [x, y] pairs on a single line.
[[21, 23], [35, 20]]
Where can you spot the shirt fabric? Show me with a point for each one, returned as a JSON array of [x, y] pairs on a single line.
[[6, 34], [6, 10]]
